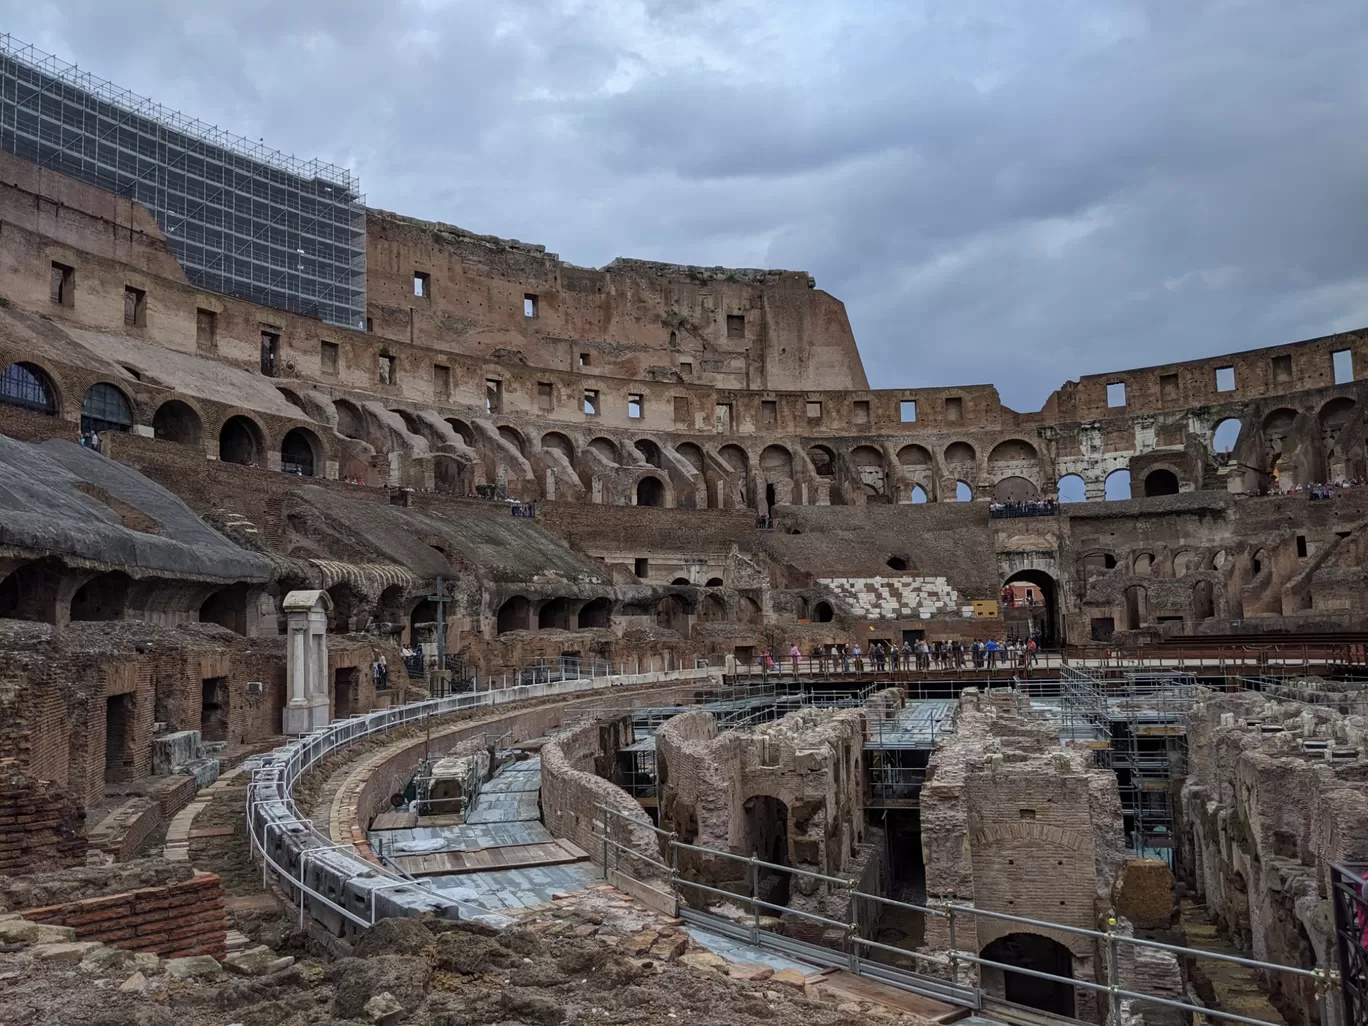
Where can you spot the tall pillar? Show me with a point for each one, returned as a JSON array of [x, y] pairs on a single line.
[[306, 615]]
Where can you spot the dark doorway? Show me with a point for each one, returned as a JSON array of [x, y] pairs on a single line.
[[1041, 954], [214, 709], [822, 612], [650, 492], [597, 613], [119, 714], [770, 498], [1161, 482], [240, 442], [346, 698], [103, 598], [766, 837], [515, 615], [227, 608], [898, 926], [1036, 612], [556, 615], [672, 614]]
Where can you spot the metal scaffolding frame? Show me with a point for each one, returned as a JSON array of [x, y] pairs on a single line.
[[241, 218]]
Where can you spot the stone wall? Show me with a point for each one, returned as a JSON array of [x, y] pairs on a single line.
[[41, 825]]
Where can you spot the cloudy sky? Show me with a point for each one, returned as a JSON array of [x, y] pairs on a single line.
[[1015, 191]]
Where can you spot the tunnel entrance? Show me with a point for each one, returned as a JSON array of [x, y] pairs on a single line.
[[119, 717], [1037, 953], [766, 837], [900, 927], [1034, 606], [214, 709]]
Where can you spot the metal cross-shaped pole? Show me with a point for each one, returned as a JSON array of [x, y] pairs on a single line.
[[440, 597]]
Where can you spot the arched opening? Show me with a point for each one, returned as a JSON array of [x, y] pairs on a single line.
[[776, 460], [101, 598], [771, 497], [714, 582], [918, 495], [680, 582], [389, 611], [291, 397], [915, 456], [963, 493], [650, 492], [597, 613], [1039, 954], [822, 613], [897, 563], [28, 386], [1035, 606], [227, 608], [513, 438], [823, 460], [1135, 611], [735, 457], [1335, 416], [557, 442], [240, 441], [346, 605], [672, 614], [606, 448], [350, 423], [1161, 482], [749, 610], [765, 825], [650, 452], [959, 452], [712, 610], [1185, 560], [868, 463], [1258, 561], [423, 623], [177, 422], [1015, 489], [1118, 485], [557, 614], [1225, 436], [30, 592], [1203, 600], [105, 409], [515, 615], [691, 454], [298, 452], [411, 424], [463, 430], [1013, 450], [1143, 564], [1072, 489]]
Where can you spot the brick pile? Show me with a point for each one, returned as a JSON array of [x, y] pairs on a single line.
[[173, 921], [127, 827], [39, 826]]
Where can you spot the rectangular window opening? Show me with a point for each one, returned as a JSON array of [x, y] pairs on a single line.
[[529, 305], [1168, 387], [422, 284], [493, 395], [682, 417], [1116, 394], [1301, 546], [1342, 363], [441, 381], [686, 368], [135, 307], [1225, 379], [736, 326], [642, 567], [389, 370], [861, 411], [370, 324], [814, 409], [270, 350], [63, 284], [591, 402], [206, 329], [584, 360], [635, 404], [954, 408], [546, 396], [1282, 369], [907, 411], [327, 357], [769, 412], [722, 416]]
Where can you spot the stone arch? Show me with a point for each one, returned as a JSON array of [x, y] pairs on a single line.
[[1012, 450], [32, 591], [515, 615], [1143, 564], [596, 613], [960, 452], [513, 437], [606, 448], [301, 453], [1134, 602], [1277, 425], [557, 614], [105, 408], [915, 456], [650, 491], [712, 609], [291, 397], [1225, 435], [1203, 600], [823, 460], [350, 422], [555, 440], [963, 492], [713, 582], [1334, 417], [871, 471], [101, 598], [1118, 485], [918, 495], [411, 424], [650, 452], [1185, 561], [735, 457], [1071, 488], [241, 441], [691, 454], [227, 608], [1044, 615], [29, 387], [1161, 481], [177, 421], [1015, 489], [672, 614], [463, 430], [1040, 954], [346, 612], [822, 612], [776, 460]]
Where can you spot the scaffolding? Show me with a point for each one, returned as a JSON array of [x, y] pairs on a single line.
[[242, 219]]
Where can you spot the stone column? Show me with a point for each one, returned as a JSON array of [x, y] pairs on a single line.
[[307, 668]]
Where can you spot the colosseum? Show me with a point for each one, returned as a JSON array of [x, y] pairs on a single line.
[[399, 624]]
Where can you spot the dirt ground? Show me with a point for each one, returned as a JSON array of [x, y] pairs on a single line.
[[596, 961]]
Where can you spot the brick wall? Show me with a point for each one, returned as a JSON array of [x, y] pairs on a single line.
[[40, 825], [179, 919]]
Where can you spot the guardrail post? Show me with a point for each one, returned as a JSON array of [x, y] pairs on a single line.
[[755, 899], [853, 929], [954, 944], [1113, 970], [605, 841]]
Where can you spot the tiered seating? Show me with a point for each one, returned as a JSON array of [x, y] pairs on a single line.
[[897, 598]]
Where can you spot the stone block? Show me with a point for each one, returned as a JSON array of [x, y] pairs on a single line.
[[64, 952], [193, 967]]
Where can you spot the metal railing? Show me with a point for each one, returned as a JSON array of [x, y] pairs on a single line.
[[332, 881], [1349, 897], [950, 976]]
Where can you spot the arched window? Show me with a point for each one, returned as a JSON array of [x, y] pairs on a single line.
[[240, 441], [963, 493], [918, 494], [1118, 485], [650, 492], [1225, 436], [1161, 482], [1072, 489], [105, 409], [27, 386], [178, 422], [297, 454]]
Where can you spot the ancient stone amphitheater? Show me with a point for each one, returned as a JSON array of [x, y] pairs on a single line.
[[396, 626]]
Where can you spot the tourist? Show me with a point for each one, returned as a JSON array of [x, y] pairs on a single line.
[[1032, 653], [794, 656], [858, 653], [907, 652], [845, 658], [818, 657], [991, 648], [893, 657], [877, 654]]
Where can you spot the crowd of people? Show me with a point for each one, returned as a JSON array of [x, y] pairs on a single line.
[[1024, 508], [91, 440], [920, 656], [1315, 491]]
